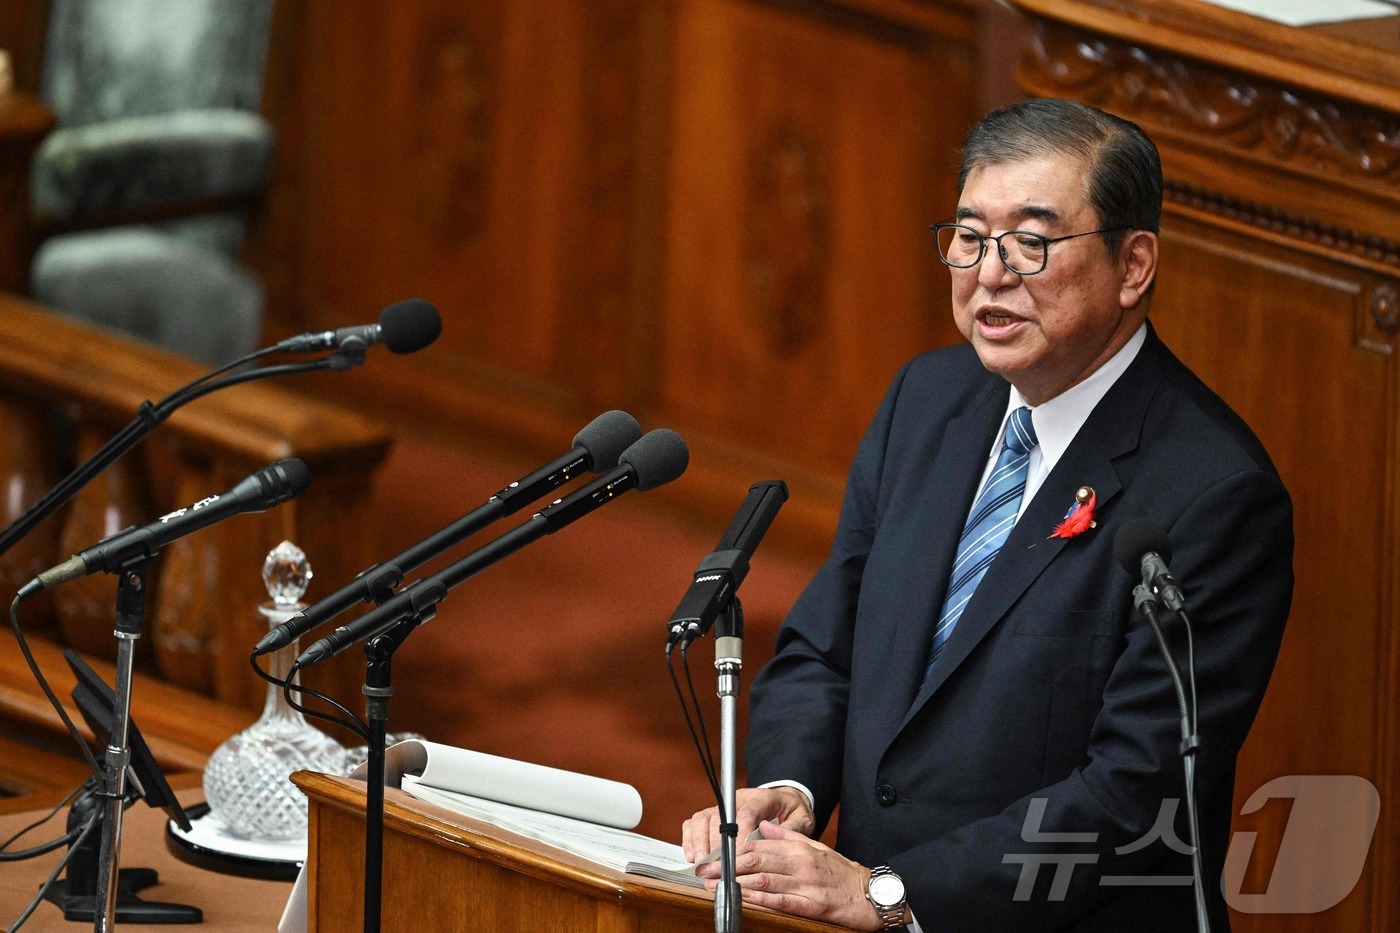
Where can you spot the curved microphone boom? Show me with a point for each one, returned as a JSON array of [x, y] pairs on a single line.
[[658, 458], [1145, 550], [272, 485], [404, 327], [596, 448]]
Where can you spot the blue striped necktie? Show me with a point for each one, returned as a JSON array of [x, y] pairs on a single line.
[[988, 526]]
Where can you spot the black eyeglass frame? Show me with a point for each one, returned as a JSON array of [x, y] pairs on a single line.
[[1001, 250]]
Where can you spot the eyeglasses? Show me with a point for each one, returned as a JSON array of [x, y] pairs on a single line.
[[1024, 253]]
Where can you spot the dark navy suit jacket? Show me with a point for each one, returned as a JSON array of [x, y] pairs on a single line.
[[1051, 700]]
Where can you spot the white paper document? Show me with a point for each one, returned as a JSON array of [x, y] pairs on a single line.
[[578, 813], [1310, 12], [607, 845]]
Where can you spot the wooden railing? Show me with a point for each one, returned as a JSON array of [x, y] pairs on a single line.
[[64, 389]]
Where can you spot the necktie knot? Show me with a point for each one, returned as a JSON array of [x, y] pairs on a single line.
[[1020, 431]]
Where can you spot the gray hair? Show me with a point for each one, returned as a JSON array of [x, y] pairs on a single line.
[[1124, 182]]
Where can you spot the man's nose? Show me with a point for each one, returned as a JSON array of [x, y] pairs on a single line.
[[992, 272]]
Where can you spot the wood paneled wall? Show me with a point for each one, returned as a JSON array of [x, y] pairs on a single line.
[[710, 213], [1280, 286]]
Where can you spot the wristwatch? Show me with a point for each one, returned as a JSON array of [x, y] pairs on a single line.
[[885, 892]]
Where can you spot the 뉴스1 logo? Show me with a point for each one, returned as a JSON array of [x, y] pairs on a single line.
[[1320, 858]]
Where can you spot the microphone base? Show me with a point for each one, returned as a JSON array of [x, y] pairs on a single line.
[[81, 906]]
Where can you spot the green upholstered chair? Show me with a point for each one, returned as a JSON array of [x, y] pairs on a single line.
[[146, 184]]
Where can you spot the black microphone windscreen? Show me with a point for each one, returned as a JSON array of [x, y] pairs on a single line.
[[281, 481], [410, 325], [659, 457], [1137, 537], [606, 437]]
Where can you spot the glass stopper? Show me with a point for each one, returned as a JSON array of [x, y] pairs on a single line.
[[286, 573]]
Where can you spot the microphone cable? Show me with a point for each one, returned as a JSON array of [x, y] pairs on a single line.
[[7, 856], [48, 691], [351, 722], [695, 725], [78, 839]]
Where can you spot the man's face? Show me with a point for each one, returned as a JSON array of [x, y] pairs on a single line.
[[1046, 332]]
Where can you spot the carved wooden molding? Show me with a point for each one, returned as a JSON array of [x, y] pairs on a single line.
[[1286, 127], [1385, 308], [787, 240], [1295, 226]]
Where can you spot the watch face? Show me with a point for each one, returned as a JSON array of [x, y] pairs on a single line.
[[887, 890]]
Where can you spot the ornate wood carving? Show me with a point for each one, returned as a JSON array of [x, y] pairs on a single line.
[[1329, 236], [1385, 308], [787, 241], [1287, 127], [1334, 142]]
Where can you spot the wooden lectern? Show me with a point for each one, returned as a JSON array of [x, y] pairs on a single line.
[[445, 871]]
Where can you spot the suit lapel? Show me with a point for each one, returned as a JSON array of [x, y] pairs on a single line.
[[1110, 434], [935, 523]]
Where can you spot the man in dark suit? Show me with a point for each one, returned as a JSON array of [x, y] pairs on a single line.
[[995, 721]]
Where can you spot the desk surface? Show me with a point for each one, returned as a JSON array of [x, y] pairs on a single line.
[[229, 903]]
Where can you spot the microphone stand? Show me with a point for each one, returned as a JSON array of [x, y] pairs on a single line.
[[1146, 603], [131, 607], [378, 689], [729, 659]]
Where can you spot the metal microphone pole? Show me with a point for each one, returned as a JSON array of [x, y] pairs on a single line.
[[378, 689], [131, 606], [1146, 604], [729, 659]]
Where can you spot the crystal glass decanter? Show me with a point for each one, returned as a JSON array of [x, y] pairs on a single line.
[[245, 780]]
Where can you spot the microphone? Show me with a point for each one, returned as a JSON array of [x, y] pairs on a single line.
[[657, 458], [272, 485], [404, 327], [596, 448], [719, 573], [1143, 548]]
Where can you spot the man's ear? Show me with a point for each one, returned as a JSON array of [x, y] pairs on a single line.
[[1139, 258]]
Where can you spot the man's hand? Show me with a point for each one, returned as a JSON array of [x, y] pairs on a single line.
[[785, 806], [787, 871]]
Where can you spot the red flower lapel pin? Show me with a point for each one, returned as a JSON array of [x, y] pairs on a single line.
[[1080, 517]]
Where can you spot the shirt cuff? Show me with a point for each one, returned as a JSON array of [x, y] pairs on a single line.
[[811, 801]]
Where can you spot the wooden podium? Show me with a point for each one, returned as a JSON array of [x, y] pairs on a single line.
[[444, 871]]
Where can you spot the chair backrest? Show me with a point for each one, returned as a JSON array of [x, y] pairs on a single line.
[[107, 59]]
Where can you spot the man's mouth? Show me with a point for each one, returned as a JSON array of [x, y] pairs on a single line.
[[993, 318]]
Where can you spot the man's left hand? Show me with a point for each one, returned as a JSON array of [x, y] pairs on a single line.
[[786, 871]]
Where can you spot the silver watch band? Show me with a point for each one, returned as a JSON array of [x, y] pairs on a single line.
[[891, 914]]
